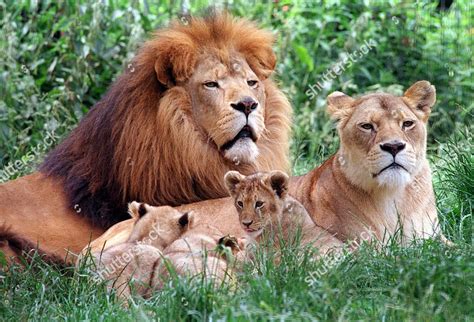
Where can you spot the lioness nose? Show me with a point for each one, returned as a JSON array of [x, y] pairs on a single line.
[[247, 222], [246, 105], [393, 147]]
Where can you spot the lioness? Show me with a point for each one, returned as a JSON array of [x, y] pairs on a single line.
[[137, 259], [379, 182], [264, 206]]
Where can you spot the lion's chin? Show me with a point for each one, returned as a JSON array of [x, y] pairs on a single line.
[[394, 178], [242, 151]]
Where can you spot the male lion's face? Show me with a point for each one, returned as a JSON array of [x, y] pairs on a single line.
[[383, 137], [228, 104]]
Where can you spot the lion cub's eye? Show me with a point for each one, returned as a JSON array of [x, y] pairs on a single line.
[[258, 204], [240, 204], [367, 126], [211, 84], [408, 124], [252, 83]]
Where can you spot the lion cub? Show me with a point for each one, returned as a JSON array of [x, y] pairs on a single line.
[[204, 251], [138, 259], [263, 205]]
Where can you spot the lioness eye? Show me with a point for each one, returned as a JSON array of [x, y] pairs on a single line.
[[211, 84], [252, 83], [408, 124], [258, 204], [240, 204], [367, 126]]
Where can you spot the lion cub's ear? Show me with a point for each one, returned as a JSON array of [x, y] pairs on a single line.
[[232, 179], [421, 97], [278, 180], [339, 105], [137, 210], [186, 220]]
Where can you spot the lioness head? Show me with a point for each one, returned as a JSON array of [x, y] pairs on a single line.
[[223, 76], [158, 226], [259, 198], [383, 137]]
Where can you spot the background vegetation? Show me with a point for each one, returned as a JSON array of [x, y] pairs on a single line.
[[58, 57]]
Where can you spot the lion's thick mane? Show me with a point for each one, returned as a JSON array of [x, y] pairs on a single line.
[[140, 142]]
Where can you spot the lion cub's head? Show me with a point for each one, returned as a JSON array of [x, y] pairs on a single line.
[[383, 137], [158, 226], [259, 198]]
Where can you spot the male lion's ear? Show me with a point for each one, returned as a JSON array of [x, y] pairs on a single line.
[[256, 46], [232, 179], [421, 97], [339, 105], [175, 57], [279, 182]]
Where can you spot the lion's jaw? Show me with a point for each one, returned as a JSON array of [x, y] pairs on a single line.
[[216, 89], [387, 157]]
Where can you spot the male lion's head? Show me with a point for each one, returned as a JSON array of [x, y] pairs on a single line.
[[383, 137], [222, 64]]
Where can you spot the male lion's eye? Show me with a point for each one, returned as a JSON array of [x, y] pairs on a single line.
[[367, 126], [252, 83], [211, 84], [240, 204], [258, 204], [408, 124]]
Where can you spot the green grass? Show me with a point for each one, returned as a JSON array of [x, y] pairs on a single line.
[[57, 59], [428, 281]]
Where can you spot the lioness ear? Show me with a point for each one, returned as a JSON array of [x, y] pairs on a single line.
[[137, 210], [186, 220], [279, 182], [175, 57], [339, 105], [421, 97], [232, 179]]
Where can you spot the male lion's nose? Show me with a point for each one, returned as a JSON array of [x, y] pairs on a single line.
[[247, 223], [393, 147], [246, 105]]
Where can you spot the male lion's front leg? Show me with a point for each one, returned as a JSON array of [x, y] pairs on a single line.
[[35, 208]]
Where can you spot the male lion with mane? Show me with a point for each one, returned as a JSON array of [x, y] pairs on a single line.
[[197, 103]]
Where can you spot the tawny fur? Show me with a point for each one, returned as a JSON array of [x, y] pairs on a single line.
[[135, 261], [266, 211], [198, 253]]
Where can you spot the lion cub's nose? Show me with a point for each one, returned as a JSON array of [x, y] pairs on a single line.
[[246, 105], [247, 223], [393, 147]]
